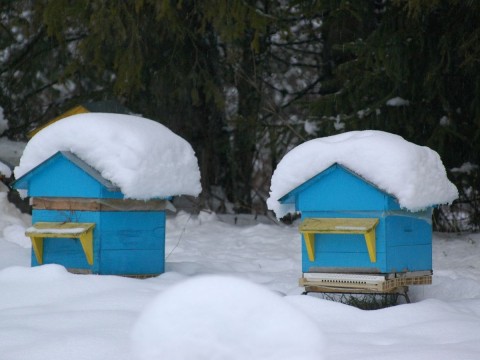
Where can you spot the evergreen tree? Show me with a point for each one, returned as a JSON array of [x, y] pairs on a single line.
[[176, 61], [408, 68], [422, 54], [244, 81]]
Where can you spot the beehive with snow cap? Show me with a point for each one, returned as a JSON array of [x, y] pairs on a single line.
[[99, 186], [366, 200]]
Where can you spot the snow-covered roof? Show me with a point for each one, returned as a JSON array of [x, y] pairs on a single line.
[[413, 174], [142, 157]]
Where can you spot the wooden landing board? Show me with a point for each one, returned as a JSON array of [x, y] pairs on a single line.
[[71, 230], [366, 226]]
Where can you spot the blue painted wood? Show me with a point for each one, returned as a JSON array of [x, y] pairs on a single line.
[[64, 175], [64, 251], [404, 243], [133, 230], [408, 230], [343, 251], [345, 243], [66, 216], [403, 238], [133, 262], [115, 234], [340, 243], [124, 242], [409, 258], [409, 243], [337, 188], [343, 261], [67, 252]]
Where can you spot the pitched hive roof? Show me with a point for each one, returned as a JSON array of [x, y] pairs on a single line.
[[140, 156], [413, 174]]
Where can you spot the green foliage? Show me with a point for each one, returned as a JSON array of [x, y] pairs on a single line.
[[32, 66], [421, 52], [171, 61]]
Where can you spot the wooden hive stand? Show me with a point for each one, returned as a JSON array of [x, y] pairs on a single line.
[[71, 230]]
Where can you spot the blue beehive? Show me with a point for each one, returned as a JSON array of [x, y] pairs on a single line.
[[351, 226], [83, 222], [366, 200]]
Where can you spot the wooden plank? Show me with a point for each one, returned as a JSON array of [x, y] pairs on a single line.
[[310, 245], [88, 204], [346, 261], [82, 231], [366, 226], [58, 229], [344, 282], [338, 225], [345, 290], [64, 204]]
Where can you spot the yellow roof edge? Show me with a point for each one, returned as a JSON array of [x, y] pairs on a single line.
[[79, 109]]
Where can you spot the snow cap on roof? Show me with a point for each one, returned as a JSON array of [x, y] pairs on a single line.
[[413, 174], [142, 157]]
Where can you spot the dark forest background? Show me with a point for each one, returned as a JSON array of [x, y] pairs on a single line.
[[245, 81]]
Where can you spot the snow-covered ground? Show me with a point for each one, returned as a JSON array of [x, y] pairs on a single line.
[[10, 153], [229, 292]]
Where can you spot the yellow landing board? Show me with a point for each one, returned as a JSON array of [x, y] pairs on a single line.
[[82, 231], [366, 226]]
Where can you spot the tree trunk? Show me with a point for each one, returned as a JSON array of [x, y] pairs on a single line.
[[245, 132]]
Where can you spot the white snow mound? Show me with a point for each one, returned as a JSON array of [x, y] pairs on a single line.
[[5, 170], [413, 174], [142, 157], [222, 317]]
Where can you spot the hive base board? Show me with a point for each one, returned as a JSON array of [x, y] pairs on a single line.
[[362, 283]]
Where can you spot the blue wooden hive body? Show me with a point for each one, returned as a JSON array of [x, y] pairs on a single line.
[[402, 239], [128, 236]]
